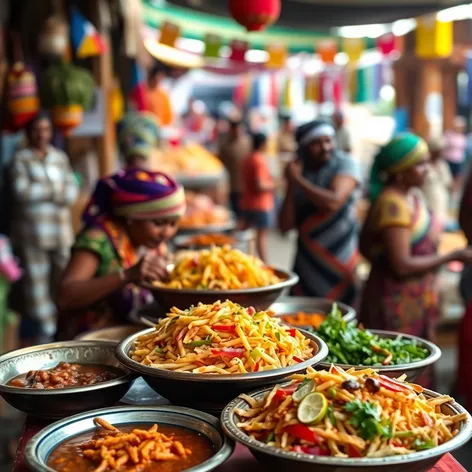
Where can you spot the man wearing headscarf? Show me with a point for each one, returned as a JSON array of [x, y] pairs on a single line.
[[127, 222], [320, 204]]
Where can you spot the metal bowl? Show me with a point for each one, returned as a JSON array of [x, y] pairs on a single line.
[[210, 392], [230, 225], [284, 461], [412, 370], [261, 298], [43, 443], [58, 403], [244, 240], [294, 305]]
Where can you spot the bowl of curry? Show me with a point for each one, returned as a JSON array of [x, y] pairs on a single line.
[[64, 378], [148, 439]]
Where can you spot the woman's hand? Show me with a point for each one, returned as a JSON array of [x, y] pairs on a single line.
[[463, 255], [153, 266]]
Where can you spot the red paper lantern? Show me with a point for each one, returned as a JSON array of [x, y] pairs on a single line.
[[255, 15]]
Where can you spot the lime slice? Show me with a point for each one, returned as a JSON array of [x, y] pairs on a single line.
[[304, 389], [312, 409]]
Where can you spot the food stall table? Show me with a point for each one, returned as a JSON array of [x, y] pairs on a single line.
[[241, 459]]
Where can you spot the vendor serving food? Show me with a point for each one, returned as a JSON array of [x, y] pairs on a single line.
[[349, 414], [223, 338], [220, 268], [127, 222]]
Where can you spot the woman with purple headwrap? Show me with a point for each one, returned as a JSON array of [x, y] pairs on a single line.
[[127, 222]]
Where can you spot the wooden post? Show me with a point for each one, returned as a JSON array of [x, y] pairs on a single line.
[[103, 71]]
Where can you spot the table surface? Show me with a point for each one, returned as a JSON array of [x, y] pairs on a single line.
[[242, 459]]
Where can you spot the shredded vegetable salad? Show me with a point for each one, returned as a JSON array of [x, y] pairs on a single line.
[[351, 345], [220, 268], [349, 414], [222, 338]]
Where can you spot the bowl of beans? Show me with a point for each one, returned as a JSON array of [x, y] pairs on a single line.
[[61, 379]]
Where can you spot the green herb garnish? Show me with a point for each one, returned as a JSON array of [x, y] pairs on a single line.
[[422, 444], [366, 419], [202, 342]]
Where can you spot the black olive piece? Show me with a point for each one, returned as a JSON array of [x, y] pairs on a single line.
[[372, 385], [350, 385]]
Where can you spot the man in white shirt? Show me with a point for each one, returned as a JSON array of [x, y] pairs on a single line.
[[343, 137]]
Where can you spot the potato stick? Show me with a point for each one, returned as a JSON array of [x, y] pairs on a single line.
[[325, 385], [105, 424], [254, 403]]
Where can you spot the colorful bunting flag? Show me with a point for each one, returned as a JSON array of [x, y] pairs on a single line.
[[138, 95], [327, 49], [354, 47], [86, 40], [238, 50], [213, 44], [277, 56], [434, 39], [169, 33], [387, 44]]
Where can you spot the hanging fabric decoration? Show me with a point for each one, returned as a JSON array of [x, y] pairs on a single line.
[[331, 87], [255, 15], [86, 40], [54, 37], [277, 56], [242, 91], [213, 44], [327, 49], [286, 99], [238, 50], [169, 34], [362, 92], [22, 95], [312, 88], [255, 99], [137, 95], [273, 90], [469, 72], [117, 102], [434, 39], [387, 44], [353, 47]]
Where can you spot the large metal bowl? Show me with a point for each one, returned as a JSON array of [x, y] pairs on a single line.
[[58, 403], [230, 225], [210, 392], [284, 461], [112, 333], [41, 445], [261, 298], [293, 305], [412, 370]]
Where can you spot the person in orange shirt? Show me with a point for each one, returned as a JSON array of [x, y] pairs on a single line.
[[257, 199], [157, 98]]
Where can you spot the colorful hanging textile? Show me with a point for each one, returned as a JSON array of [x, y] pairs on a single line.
[[169, 33], [277, 56], [434, 39], [242, 91], [213, 44], [469, 72], [138, 88], [354, 47], [327, 49], [387, 44], [238, 50], [255, 97], [362, 92], [311, 89], [331, 87], [286, 98], [86, 40]]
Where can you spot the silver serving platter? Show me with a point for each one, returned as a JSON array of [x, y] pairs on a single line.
[[230, 225], [207, 391], [58, 403], [285, 461], [293, 305], [43, 443], [412, 370]]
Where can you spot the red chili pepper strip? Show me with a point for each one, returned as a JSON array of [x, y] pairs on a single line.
[[283, 393], [292, 332], [426, 419], [352, 451], [256, 367], [297, 359], [228, 352], [224, 328], [393, 385], [302, 432]]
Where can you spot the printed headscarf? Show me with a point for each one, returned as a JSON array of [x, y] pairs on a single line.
[[139, 134], [402, 152], [136, 194]]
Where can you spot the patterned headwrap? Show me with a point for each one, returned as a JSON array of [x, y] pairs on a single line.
[[139, 134], [136, 194], [313, 130], [401, 153]]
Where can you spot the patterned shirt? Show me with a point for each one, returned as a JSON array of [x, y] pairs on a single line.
[[43, 190]]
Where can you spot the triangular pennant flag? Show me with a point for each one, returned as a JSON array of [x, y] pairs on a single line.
[[213, 44], [238, 50], [277, 56], [86, 40], [169, 33], [387, 44], [434, 39], [354, 47], [327, 49]]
